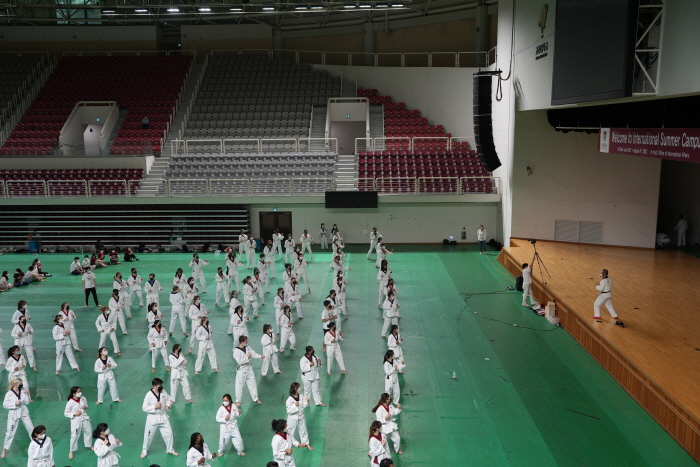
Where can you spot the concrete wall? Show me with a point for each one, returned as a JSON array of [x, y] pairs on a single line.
[[571, 180]]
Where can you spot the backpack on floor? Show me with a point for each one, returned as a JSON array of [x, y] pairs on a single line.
[[519, 283]]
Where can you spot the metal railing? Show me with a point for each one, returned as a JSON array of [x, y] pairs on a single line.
[[117, 53], [252, 145], [409, 144], [430, 185], [390, 59], [67, 188]]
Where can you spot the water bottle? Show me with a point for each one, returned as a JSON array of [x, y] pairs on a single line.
[[454, 374]]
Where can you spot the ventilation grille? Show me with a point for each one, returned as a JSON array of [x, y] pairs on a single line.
[[578, 231]]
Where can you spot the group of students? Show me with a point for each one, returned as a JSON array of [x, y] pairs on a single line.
[[20, 278], [185, 299]]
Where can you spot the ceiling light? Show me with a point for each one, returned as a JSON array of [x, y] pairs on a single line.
[[236, 8], [141, 10], [316, 7], [397, 5], [382, 5], [365, 5], [268, 8], [205, 9], [348, 6], [301, 7], [173, 10], [107, 11]]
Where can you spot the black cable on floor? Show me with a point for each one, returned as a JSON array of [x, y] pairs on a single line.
[[466, 296]]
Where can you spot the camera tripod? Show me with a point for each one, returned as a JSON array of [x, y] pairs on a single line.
[[536, 259]]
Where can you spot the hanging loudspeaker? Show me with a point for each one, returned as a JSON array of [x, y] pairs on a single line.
[[483, 128]]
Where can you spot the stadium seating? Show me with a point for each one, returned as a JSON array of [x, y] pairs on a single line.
[[13, 72], [67, 182], [147, 86]]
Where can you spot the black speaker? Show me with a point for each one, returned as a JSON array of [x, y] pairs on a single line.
[[483, 127], [351, 199]]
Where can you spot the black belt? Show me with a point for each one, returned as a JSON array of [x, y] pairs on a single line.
[[606, 292]]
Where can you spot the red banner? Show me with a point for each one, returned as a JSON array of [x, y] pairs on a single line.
[[680, 144]]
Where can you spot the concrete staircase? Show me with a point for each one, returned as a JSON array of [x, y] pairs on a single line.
[[318, 127], [376, 121], [349, 89], [152, 185]]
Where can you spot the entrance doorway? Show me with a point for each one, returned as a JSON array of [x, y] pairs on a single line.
[[269, 221]]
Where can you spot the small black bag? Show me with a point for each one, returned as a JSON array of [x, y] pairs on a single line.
[[519, 283]]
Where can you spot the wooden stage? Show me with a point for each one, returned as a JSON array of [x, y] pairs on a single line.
[[656, 358]]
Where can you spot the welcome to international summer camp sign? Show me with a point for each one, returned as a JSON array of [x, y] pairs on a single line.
[[681, 144]]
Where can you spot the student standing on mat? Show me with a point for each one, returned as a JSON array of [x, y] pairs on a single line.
[[22, 311], [105, 444], [222, 279], [206, 346], [232, 265], [394, 342], [63, 345], [134, 282], [323, 237], [180, 281], [106, 326], [157, 404], [373, 237], [242, 243], [289, 248], [158, 340], [124, 299], [378, 450], [605, 296], [196, 313], [527, 284], [76, 411], [287, 329], [239, 321], [391, 312], [386, 414], [270, 256], [251, 245], [295, 414], [104, 366], [228, 426], [300, 265], [270, 350], [152, 289], [244, 371], [69, 322], [198, 453], [15, 366], [309, 364], [277, 239], [177, 312], [196, 264], [292, 294], [23, 334], [282, 444], [306, 241], [331, 341], [481, 238], [116, 304], [16, 400], [89, 286], [40, 452], [178, 374], [250, 296], [391, 380]]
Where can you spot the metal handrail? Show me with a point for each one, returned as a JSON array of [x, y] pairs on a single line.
[[66, 183]]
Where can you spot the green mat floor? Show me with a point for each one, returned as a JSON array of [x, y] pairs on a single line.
[[526, 394]]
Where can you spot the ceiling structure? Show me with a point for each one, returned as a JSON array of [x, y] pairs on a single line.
[[282, 15]]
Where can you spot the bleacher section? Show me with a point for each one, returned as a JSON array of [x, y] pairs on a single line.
[[147, 86], [418, 157], [13, 72], [68, 183], [123, 225]]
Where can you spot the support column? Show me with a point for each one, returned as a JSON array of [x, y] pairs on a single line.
[[370, 43], [482, 31], [277, 43]]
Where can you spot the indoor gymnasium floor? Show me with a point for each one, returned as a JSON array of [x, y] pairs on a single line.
[[526, 394]]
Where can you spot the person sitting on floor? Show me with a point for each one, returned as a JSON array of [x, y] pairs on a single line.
[[114, 257], [76, 268], [129, 255]]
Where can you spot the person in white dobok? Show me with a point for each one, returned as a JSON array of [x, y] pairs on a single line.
[[197, 264], [15, 365], [104, 366], [63, 345], [242, 243], [331, 341], [180, 280], [221, 279], [383, 277], [287, 329], [386, 414], [189, 292], [323, 237], [206, 346], [232, 265], [178, 374], [239, 321], [391, 380], [116, 307], [250, 252], [157, 404], [134, 281], [158, 340], [277, 239], [152, 289], [378, 450], [69, 322], [196, 312], [391, 312], [198, 453], [394, 342], [373, 238], [22, 310], [177, 312], [292, 295], [40, 452], [306, 241], [289, 248], [382, 252], [264, 268], [309, 364], [24, 338], [270, 254], [106, 326], [76, 411], [282, 444], [527, 284], [250, 296], [16, 400], [300, 265], [268, 341], [233, 302], [105, 444], [681, 227], [244, 371], [295, 414], [605, 296], [278, 305], [227, 416], [122, 299]]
